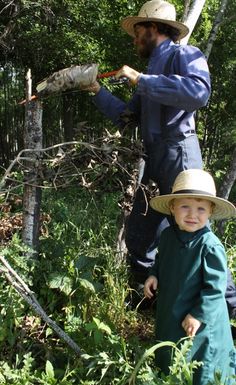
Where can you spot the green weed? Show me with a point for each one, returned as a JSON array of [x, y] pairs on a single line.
[[81, 285]]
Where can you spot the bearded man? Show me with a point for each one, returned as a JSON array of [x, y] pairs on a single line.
[[163, 106]]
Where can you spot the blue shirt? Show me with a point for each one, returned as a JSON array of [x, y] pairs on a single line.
[[185, 89]]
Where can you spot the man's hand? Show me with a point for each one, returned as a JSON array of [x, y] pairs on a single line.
[[150, 286], [94, 87], [191, 325], [129, 73]]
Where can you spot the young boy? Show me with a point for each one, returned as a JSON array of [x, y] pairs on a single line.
[[190, 276]]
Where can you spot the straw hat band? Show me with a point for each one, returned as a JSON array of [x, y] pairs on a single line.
[[192, 191], [195, 184], [157, 11]]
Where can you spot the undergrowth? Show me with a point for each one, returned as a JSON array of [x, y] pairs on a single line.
[[82, 284]]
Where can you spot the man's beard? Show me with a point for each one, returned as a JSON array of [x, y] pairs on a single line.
[[148, 44]]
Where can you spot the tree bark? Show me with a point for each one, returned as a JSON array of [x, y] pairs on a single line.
[[230, 175], [67, 117], [192, 18], [229, 178], [225, 189], [215, 28], [32, 193]]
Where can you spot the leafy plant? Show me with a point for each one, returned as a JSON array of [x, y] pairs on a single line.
[[80, 283], [23, 373], [13, 309], [181, 369]]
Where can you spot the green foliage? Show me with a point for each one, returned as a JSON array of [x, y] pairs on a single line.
[[181, 370], [48, 35], [23, 373], [12, 311], [218, 380], [77, 277], [84, 289]]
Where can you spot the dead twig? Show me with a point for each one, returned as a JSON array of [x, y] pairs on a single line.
[[61, 164], [20, 286]]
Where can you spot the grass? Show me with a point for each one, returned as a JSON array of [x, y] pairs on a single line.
[[83, 286]]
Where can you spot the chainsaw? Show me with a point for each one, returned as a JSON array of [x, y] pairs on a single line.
[[74, 77]]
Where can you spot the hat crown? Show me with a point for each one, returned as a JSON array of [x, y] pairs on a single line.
[[196, 184], [196, 181], [158, 9]]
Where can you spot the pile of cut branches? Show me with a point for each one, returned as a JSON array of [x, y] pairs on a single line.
[[105, 164]]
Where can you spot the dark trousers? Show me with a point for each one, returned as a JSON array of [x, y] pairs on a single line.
[[165, 160]]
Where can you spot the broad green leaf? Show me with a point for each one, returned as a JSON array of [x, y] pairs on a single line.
[[61, 282], [87, 285], [49, 369]]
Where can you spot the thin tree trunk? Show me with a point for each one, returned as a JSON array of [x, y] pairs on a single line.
[[192, 17], [230, 175], [215, 28], [225, 188], [32, 193], [229, 178], [186, 9], [67, 117]]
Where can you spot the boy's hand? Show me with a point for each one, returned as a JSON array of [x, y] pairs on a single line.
[[191, 325], [150, 286]]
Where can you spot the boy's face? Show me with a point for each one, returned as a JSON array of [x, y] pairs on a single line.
[[191, 214]]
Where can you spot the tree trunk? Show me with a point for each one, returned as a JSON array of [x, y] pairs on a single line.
[[230, 175], [192, 17], [215, 28], [32, 193], [225, 188], [229, 178], [67, 117]]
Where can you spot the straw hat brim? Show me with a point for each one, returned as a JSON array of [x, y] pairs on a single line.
[[129, 22], [223, 209]]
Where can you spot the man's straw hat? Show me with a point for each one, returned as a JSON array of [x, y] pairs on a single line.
[[157, 11], [195, 183]]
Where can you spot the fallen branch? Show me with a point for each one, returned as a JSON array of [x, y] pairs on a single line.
[[57, 166], [21, 287]]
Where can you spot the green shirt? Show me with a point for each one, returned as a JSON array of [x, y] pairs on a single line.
[[191, 269]]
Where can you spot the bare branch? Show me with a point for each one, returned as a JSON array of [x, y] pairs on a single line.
[[8, 5], [11, 24], [20, 286], [63, 163]]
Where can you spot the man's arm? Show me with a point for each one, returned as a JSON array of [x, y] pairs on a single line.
[[115, 109], [187, 87]]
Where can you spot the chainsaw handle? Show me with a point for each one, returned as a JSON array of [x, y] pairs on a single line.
[[107, 74]]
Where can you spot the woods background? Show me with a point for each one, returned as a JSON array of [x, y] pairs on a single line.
[[47, 36], [78, 278]]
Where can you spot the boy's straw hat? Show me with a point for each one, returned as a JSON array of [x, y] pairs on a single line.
[[195, 183], [157, 11]]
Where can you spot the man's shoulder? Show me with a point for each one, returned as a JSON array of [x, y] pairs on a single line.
[[186, 49]]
